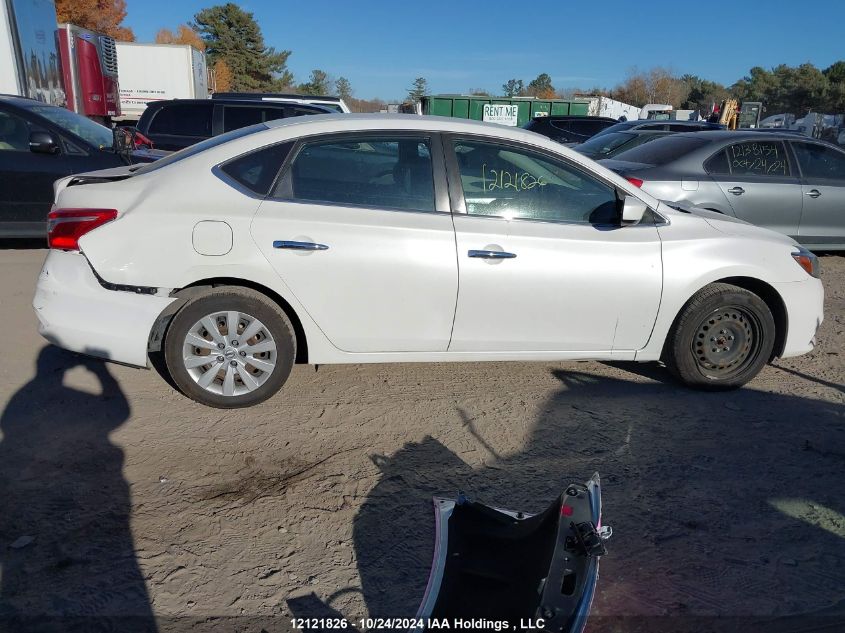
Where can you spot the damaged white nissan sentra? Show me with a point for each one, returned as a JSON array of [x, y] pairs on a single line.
[[386, 238]]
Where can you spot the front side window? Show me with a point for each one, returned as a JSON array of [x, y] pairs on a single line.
[[98, 135], [512, 183], [818, 161], [372, 171], [757, 158], [14, 133]]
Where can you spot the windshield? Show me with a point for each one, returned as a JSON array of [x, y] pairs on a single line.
[[605, 143], [662, 151], [208, 143], [98, 135]]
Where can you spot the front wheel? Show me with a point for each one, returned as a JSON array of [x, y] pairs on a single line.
[[230, 348], [722, 338]]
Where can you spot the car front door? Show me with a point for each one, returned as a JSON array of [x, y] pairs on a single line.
[[760, 183], [544, 264], [358, 227], [823, 186], [26, 177]]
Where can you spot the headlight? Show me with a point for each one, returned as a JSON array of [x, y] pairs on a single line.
[[807, 261]]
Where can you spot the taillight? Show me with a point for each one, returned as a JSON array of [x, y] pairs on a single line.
[[66, 226], [634, 181]]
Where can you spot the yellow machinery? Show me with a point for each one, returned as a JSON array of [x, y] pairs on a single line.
[[729, 113]]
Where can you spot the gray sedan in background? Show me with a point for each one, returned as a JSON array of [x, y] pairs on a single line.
[[609, 145], [780, 181]]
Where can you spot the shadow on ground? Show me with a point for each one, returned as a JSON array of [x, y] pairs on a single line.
[[66, 550], [695, 486]]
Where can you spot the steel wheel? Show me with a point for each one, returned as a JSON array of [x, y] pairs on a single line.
[[726, 341], [229, 353], [722, 337]]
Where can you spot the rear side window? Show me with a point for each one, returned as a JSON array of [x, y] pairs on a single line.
[[236, 117], [663, 150], [377, 172], [757, 158], [718, 164], [257, 170], [183, 119], [588, 128]]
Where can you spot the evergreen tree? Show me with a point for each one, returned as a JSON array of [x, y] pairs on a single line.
[[418, 90], [233, 35]]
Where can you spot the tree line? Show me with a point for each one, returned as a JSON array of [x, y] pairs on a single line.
[[242, 62], [795, 89]]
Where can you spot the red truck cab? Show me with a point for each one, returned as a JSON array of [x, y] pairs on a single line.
[[89, 70]]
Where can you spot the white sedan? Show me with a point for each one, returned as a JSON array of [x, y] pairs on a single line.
[[397, 238]]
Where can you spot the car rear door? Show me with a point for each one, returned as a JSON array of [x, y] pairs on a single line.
[[823, 187], [760, 183], [359, 228], [544, 264]]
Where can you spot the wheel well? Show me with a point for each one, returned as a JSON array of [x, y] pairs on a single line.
[[299, 331], [774, 302]]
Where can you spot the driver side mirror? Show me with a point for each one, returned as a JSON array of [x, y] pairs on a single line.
[[633, 210], [43, 143]]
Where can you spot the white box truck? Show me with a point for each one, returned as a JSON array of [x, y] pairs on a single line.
[[29, 56], [155, 72]]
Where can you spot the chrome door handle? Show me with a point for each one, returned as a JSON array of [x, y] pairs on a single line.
[[491, 254], [813, 193], [300, 246], [737, 191]]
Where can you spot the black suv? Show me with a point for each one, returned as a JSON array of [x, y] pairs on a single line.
[[661, 125], [568, 128], [178, 123]]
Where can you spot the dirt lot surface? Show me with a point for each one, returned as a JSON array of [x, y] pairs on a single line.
[[119, 496]]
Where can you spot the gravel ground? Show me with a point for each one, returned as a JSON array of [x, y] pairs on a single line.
[[118, 496]]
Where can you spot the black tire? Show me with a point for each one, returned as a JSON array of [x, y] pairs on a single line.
[[721, 339], [245, 302]]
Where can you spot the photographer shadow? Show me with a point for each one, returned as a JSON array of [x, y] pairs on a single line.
[[66, 549]]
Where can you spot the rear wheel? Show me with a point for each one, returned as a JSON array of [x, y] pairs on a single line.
[[721, 339], [230, 348]]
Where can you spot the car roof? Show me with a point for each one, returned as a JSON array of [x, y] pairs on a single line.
[[258, 96], [235, 100], [571, 117], [23, 102], [721, 135], [362, 122]]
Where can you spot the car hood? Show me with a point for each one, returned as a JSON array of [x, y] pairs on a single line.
[[727, 224]]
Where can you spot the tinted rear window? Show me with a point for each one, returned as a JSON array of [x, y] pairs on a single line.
[[663, 150], [588, 128]]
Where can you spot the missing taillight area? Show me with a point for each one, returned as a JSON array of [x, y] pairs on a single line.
[[66, 226]]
